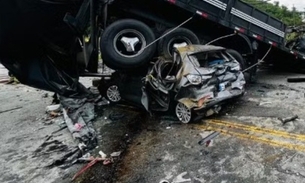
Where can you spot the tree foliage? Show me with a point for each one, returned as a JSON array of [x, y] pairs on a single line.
[[289, 17]]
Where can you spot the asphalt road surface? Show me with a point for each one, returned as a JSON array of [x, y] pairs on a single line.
[[253, 144]]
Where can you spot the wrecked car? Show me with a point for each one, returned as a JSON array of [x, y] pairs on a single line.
[[197, 81]]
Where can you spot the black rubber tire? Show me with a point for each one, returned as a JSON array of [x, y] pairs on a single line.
[[238, 57], [116, 61], [180, 33]]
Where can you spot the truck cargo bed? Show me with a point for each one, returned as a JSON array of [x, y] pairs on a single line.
[[242, 17]]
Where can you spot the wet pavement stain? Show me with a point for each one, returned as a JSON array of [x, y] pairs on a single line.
[[115, 136]]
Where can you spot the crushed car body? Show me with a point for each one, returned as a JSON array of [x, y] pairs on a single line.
[[198, 80], [208, 75]]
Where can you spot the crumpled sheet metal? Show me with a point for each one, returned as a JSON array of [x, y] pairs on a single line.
[[208, 94], [209, 98]]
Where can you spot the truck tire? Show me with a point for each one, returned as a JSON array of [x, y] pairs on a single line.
[[122, 44], [178, 36], [238, 57]]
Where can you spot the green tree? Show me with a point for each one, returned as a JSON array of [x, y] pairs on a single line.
[[289, 17]]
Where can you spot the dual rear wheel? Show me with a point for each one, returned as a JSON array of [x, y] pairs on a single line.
[[129, 43]]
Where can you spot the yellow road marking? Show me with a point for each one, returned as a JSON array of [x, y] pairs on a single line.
[[259, 139], [258, 129], [224, 126]]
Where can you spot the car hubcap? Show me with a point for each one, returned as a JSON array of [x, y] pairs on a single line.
[[129, 43], [113, 94], [183, 113]]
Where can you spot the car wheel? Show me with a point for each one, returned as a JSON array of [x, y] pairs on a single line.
[[113, 94], [123, 44], [179, 36], [110, 91], [238, 57], [183, 113]]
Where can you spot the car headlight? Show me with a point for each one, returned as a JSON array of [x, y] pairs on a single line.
[[194, 79]]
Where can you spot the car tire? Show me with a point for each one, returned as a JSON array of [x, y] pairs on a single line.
[[116, 53], [238, 57], [179, 35]]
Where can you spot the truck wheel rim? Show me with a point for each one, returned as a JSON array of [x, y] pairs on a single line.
[[177, 40], [183, 113], [113, 94], [129, 43]]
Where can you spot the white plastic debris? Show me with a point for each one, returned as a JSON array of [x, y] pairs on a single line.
[[164, 181], [103, 155], [86, 155], [180, 179], [115, 154], [265, 103], [81, 146], [53, 108]]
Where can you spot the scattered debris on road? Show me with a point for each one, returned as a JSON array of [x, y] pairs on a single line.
[[102, 154], [164, 181], [53, 108], [288, 119], [46, 95], [208, 139], [86, 167], [93, 161], [116, 116], [295, 80], [115, 154], [8, 110], [180, 178], [4, 80]]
